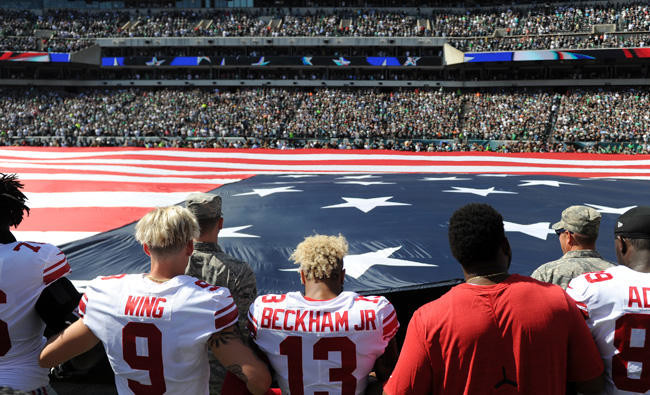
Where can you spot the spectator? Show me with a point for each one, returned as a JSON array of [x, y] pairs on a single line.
[[497, 330]]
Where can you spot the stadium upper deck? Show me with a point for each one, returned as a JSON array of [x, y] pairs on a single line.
[[530, 27]]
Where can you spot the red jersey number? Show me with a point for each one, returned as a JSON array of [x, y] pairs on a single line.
[[597, 277], [5, 342], [31, 247], [273, 298], [292, 348], [153, 362], [632, 350]]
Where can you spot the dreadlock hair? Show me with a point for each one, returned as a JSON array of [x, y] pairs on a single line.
[[12, 200]]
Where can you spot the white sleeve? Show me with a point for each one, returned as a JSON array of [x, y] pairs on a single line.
[[388, 317], [578, 290], [226, 312], [55, 263]]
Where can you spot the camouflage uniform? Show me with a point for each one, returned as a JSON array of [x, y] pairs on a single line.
[[571, 265], [211, 264], [582, 220]]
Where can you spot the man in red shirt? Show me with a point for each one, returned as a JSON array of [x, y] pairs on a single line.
[[498, 332]]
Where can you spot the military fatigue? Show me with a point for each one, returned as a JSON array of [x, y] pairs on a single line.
[[209, 263], [571, 265]]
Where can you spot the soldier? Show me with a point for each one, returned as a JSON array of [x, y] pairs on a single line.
[[577, 232], [210, 264]]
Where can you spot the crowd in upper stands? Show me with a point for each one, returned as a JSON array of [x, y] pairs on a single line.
[[524, 28], [613, 120]]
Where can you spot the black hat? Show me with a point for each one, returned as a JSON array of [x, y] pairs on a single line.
[[634, 223]]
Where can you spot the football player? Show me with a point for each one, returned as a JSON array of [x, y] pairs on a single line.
[[155, 326], [33, 293], [326, 340], [616, 304]]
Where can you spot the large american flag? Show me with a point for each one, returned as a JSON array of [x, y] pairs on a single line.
[[392, 206]]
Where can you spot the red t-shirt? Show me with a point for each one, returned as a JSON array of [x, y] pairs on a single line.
[[519, 336]]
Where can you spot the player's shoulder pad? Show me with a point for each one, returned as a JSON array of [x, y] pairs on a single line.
[[372, 300], [210, 289], [45, 252]]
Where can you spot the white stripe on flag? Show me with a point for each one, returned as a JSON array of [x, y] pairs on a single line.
[[104, 199], [56, 238], [299, 157], [115, 178]]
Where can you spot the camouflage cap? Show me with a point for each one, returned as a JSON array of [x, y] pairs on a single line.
[[579, 219], [204, 205]]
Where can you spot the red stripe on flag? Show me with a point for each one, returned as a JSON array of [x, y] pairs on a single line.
[[56, 274], [110, 186], [226, 320], [81, 219]]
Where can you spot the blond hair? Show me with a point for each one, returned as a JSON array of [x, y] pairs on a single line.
[[167, 229], [319, 255]]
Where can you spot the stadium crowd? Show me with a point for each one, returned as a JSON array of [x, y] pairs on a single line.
[[409, 119], [535, 28]]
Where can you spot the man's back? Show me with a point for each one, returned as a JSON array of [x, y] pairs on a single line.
[[518, 336], [210, 264], [616, 303], [25, 270], [155, 334], [569, 266], [328, 346]]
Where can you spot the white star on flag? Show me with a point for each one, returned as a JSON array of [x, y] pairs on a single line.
[[365, 183], [269, 191], [475, 191], [356, 265], [234, 232], [610, 210], [445, 179], [540, 229], [363, 177], [298, 176], [367, 205], [550, 183]]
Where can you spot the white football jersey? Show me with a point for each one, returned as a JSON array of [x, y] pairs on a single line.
[[616, 304], [325, 346], [155, 334], [26, 268]]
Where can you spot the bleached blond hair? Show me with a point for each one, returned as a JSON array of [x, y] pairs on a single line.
[[167, 229], [319, 255]]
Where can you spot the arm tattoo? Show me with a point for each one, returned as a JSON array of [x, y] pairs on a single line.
[[223, 337], [237, 371]]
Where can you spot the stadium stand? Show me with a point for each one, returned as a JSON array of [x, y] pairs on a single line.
[[527, 27], [505, 120], [292, 75]]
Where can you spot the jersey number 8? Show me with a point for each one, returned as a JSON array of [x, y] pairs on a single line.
[[631, 366]]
